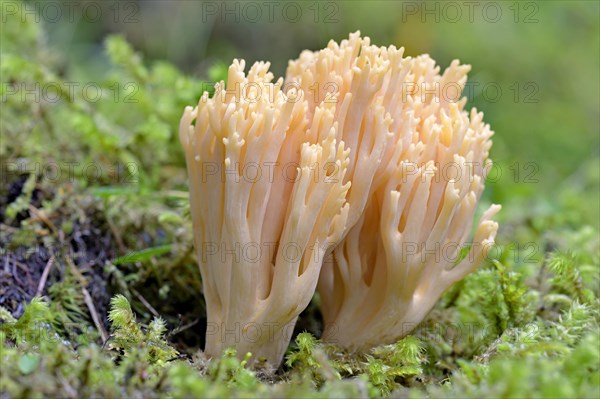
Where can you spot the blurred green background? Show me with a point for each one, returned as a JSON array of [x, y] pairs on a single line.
[[534, 68]]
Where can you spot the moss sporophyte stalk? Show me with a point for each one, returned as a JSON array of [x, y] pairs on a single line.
[[338, 183]]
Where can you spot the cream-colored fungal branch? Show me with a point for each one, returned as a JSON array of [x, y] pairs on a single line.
[[380, 96], [404, 252], [267, 197], [402, 248], [352, 77]]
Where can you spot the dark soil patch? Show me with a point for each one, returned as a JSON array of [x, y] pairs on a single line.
[[77, 236], [86, 247]]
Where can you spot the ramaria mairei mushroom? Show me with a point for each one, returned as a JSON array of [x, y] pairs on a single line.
[[265, 206], [402, 254], [395, 129], [353, 77], [379, 96]]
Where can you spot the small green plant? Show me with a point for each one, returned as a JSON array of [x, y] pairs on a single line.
[[309, 360], [31, 327], [391, 364], [567, 278], [22, 202], [233, 372], [128, 336]]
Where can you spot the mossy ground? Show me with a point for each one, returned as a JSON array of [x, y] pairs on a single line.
[[100, 294]]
